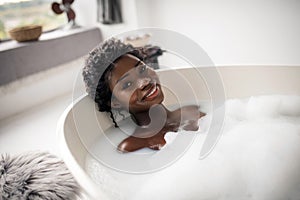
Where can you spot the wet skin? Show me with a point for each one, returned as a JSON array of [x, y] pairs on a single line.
[[136, 88]]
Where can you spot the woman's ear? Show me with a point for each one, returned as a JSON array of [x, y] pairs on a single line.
[[115, 103]]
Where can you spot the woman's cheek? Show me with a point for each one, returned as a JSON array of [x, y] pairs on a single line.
[[126, 98], [133, 98]]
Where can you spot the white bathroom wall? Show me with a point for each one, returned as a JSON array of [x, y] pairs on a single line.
[[86, 15], [232, 32], [29, 91]]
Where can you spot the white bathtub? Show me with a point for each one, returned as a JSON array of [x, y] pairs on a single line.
[[238, 81]]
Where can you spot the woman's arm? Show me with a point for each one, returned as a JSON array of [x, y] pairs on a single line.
[[131, 144]]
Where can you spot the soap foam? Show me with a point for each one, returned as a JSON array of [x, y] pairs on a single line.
[[257, 157]]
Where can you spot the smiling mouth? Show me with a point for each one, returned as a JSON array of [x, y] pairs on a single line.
[[152, 93]]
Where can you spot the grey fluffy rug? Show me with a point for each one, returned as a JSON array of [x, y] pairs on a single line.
[[36, 176]]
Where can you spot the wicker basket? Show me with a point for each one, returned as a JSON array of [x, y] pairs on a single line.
[[26, 33]]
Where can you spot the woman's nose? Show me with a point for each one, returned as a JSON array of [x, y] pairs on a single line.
[[143, 82]]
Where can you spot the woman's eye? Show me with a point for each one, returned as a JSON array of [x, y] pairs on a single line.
[[126, 85]]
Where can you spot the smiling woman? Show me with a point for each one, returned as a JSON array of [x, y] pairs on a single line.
[[15, 13], [118, 78]]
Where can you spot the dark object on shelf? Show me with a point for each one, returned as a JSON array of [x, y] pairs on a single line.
[[36, 175], [26, 33], [109, 11], [65, 6]]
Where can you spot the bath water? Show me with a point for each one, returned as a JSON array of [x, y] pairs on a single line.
[[257, 157]]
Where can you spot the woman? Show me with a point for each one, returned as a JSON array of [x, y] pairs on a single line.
[[118, 77]]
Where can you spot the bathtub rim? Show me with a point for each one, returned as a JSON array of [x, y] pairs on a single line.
[[88, 187]]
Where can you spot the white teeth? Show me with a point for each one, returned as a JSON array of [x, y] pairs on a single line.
[[152, 91]]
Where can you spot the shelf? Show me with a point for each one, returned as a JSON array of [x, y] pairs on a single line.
[[54, 48]]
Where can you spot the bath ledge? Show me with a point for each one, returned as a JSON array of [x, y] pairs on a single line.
[[19, 60]]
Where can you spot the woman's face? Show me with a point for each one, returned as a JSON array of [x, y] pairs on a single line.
[[134, 85]]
